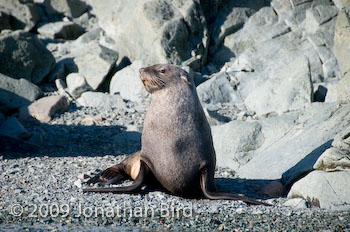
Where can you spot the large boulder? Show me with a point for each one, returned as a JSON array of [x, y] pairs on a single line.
[[276, 127], [301, 147], [333, 159], [16, 93], [70, 8], [217, 89], [342, 141], [20, 14], [292, 142], [128, 84], [23, 55], [231, 17], [337, 157], [261, 61], [262, 26], [44, 108], [344, 88], [320, 25], [289, 89], [318, 15], [94, 62], [158, 31], [324, 189], [342, 39], [294, 12], [234, 142], [237, 142]]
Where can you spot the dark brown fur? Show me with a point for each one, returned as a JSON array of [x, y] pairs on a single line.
[[177, 146]]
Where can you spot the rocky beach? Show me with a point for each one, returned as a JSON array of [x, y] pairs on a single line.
[[273, 78]]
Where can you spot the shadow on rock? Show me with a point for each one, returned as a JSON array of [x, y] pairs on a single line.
[[304, 166]]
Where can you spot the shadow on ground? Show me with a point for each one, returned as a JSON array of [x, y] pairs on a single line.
[[70, 141], [247, 187]]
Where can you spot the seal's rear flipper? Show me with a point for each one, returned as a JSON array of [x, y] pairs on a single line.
[[133, 188], [214, 195]]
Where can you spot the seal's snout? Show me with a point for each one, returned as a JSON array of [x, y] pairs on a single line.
[[141, 72]]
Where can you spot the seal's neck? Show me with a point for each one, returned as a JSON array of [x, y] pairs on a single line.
[[172, 94]]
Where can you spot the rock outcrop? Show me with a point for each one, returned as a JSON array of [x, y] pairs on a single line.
[[273, 78], [156, 31]]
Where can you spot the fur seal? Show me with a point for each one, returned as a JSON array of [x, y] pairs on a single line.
[[177, 151]]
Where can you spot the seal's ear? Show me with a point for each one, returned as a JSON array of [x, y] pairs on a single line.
[[184, 78]]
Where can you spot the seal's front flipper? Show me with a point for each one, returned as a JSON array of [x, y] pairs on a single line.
[[133, 188], [212, 194], [111, 175], [128, 169]]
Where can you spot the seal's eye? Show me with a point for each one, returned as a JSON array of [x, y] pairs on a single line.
[[162, 71]]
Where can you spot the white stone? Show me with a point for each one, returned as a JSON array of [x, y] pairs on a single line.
[[77, 84], [297, 203], [101, 100], [324, 189], [78, 183]]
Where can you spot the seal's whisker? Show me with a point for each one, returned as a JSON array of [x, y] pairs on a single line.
[[153, 82], [160, 82]]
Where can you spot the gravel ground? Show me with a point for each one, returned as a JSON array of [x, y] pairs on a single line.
[[43, 191]]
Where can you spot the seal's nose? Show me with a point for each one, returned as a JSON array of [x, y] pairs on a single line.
[[141, 72]]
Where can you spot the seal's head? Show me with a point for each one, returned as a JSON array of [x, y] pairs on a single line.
[[159, 76]]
